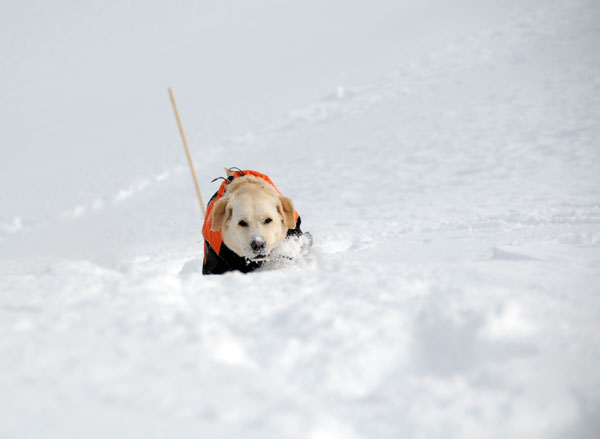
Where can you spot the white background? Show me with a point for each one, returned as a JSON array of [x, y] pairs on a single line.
[[444, 155]]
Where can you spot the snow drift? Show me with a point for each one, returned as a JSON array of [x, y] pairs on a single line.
[[444, 157]]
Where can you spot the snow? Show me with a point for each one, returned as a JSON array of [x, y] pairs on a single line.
[[444, 156]]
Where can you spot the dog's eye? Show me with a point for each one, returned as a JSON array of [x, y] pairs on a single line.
[[243, 223], [268, 220]]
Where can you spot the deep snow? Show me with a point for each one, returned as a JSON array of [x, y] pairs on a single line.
[[445, 158]]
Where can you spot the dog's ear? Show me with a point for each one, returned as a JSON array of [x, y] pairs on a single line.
[[287, 211], [229, 172], [219, 214]]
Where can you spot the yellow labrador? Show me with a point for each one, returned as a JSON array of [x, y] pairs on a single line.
[[246, 220]]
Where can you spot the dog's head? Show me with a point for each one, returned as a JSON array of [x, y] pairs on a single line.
[[253, 217]]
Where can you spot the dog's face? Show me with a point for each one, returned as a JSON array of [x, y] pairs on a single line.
[[253, 220]]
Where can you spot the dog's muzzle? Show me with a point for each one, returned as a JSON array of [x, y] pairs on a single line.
[[258, 246]]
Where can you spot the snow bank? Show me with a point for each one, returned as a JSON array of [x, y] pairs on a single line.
[[448, 173]]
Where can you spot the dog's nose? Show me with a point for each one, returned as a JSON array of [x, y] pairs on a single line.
[[257, 245]]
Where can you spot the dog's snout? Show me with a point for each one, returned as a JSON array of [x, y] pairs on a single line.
[[257, 244]]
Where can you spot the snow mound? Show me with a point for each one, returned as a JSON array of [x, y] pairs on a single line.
[[451, 184]]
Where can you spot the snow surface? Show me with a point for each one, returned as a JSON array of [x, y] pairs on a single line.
[[444, 155]]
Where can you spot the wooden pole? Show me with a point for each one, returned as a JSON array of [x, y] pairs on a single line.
[[187, 152]]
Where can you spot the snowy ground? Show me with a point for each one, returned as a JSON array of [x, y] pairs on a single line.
[[444, 155]]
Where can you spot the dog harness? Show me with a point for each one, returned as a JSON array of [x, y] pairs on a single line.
[[218, 258]]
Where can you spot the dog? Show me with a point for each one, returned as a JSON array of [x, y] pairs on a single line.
[[246, 219]]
